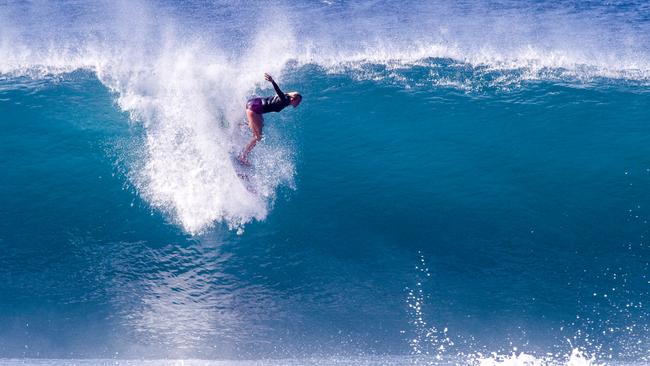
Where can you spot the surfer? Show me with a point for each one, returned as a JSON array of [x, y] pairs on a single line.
[[258, 106]]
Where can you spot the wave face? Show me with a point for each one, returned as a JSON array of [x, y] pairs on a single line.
[[465, 182], [184, 71]]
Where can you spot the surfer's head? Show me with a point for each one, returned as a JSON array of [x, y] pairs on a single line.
[[294, 98]]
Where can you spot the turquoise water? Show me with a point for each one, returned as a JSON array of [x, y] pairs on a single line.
[[453, 189]]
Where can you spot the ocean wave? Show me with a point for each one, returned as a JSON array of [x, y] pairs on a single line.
[[188, 90]]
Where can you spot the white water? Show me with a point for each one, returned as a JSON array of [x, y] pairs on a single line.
[[575, 358]]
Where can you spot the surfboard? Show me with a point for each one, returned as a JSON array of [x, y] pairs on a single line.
[[244, 172]]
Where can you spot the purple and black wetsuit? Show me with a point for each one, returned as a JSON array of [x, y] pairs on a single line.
[[275, 103]]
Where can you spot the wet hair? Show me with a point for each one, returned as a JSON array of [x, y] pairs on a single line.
[[295, 95]]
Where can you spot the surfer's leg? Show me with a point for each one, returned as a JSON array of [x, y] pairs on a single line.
[[256, 123]]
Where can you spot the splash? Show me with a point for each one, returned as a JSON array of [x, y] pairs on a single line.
[[576, 358], [427, 340], [434, 345]]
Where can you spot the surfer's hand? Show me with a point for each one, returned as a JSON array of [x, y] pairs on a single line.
[[268, 77]]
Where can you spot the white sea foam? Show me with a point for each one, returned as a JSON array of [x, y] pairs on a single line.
[[576, 358]]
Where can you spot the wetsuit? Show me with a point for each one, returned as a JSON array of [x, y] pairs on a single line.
[[275, 103]]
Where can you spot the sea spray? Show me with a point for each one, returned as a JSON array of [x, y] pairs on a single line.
[[575, 358], [426, 340], [431, 345]]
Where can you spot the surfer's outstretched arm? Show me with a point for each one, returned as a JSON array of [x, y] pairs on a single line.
[[275, 86]]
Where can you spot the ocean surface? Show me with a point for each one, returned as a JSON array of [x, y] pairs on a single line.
[[465, 182]]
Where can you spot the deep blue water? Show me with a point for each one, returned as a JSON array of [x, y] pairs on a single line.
[[457, 181]]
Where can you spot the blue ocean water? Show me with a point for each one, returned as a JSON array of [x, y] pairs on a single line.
[[464, 183]]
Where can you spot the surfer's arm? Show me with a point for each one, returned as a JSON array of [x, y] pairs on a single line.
[[279, 92]]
